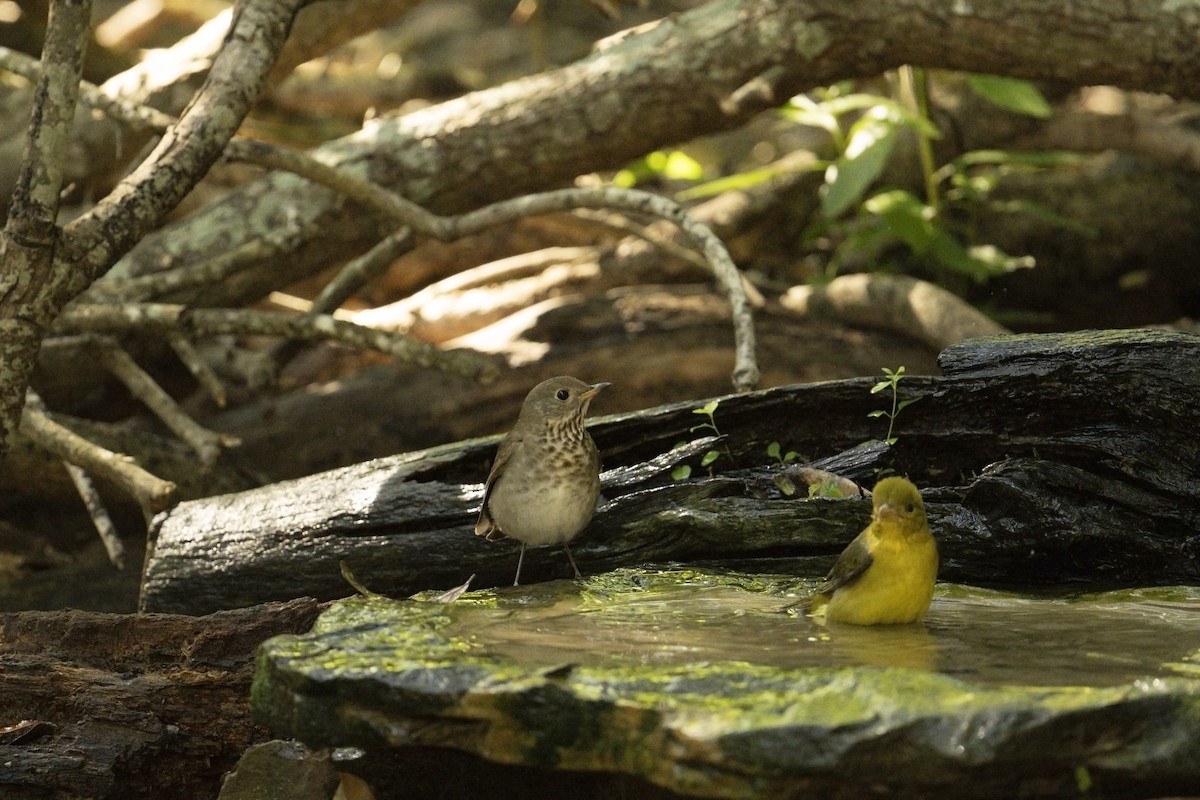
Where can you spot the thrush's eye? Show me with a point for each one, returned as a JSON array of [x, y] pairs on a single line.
[[562, 394]]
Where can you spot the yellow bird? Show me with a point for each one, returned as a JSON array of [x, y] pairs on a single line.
[[886, 575]]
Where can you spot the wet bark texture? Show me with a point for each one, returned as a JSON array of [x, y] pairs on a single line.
[[131, 706], [1051, 460]]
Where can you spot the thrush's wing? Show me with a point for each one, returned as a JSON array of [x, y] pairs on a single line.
[[851, 564], [486, 526]]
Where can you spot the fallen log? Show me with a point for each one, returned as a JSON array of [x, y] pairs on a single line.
[[123, 705], [1046, 459]]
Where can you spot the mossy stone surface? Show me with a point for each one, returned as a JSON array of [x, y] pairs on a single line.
[[582, 676]]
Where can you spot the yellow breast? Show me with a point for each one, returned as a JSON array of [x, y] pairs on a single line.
[[898, 586]]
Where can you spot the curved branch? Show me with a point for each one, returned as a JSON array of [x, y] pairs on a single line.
[[745, 373]]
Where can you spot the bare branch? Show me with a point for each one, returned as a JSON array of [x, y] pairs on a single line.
[[169, 319], [152, 494], [210, 270], [362, 270], [137, 117], [31, 220], [200, 369], [206, 444], [98, 513]]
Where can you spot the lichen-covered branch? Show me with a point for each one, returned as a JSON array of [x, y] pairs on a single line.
[[30, 237], [187, 149]]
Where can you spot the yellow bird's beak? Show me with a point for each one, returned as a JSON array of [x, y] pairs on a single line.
[[888, 514]]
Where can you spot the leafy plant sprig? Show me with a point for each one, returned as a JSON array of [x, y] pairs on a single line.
[[889, 226], [827, 488], [891, 381], [708, 410]]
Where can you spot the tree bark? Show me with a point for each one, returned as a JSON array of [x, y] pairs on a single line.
[[1046, 460], [30, 236]]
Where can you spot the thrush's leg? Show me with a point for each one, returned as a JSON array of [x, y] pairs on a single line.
[[571, 558], [517, 577]]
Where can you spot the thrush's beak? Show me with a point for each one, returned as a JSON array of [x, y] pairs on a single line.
[[595, 389], [586, 397]]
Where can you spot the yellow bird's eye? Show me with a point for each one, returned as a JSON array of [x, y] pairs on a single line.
[[910, 508]]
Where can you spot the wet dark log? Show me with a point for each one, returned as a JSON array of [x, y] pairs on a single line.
[[1047, 460], [132, 706]]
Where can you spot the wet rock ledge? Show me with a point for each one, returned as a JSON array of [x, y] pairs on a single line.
[[691, 683]]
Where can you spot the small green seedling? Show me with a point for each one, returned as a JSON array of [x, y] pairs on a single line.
[[826, 488], [1083, 779], [709, 409], [776, 452], [891, 381]]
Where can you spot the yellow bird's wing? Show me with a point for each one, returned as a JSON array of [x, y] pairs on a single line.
[[851, 564]]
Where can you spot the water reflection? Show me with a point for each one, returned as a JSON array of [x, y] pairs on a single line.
[[979, 635]]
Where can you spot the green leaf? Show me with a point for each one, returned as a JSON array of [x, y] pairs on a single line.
[[826, 488], [1083, 779], [950, 253], [806, 111], [908, 218], [681, 473], [773, 450], [881, 108], [791, 455], [679, 166], [709, 457], [877, 413], [676, 165], [1012, 94], [850, 175], [708, 409], [1039, 159], [879, 387], [903, 404], [745, 180]]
